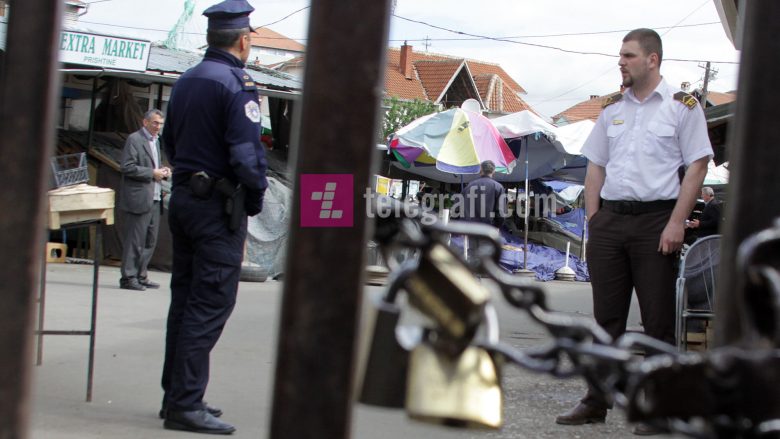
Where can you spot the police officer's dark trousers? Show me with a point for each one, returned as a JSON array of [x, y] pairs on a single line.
[[206, 269], [623, 255]]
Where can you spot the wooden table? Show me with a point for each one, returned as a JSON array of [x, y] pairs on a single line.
[[73, 207]]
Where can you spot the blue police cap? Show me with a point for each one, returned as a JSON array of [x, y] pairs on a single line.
[[229, 14]]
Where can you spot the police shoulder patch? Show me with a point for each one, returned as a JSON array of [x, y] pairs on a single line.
[[247, 83], [611, 100], [252, 111], [687, 99]]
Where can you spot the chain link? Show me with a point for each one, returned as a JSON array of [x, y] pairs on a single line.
[[580, 347]]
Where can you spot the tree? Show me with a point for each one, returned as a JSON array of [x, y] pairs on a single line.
[[399, 113]]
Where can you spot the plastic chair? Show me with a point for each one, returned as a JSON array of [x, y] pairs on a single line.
[[695, 289]]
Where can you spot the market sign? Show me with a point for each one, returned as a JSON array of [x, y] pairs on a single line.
[[104, 51]]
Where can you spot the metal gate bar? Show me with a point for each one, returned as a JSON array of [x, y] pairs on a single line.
[[323, 278]]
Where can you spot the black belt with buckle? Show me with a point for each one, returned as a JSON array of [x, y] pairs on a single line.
[[637, 207]]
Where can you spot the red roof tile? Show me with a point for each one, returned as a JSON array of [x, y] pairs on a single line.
[[484, 68], [433, 72], [589, 109], [498, 96], [718, 98], [265, 37], [435, 76]]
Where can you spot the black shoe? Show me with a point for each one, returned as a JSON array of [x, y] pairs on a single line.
[[582, 414], [198, 421], [148, 283], [215, 411], [131, 284], [643, 429]]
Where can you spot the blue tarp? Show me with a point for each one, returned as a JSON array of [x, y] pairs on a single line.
[[572, 221], [542, 260]]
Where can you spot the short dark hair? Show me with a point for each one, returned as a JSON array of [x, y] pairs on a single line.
[[224, 38], [487, 167], [648, 40]]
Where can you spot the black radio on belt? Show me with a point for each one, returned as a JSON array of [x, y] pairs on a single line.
[[202, 185]]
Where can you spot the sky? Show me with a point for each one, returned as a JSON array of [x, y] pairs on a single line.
[[553, 79]]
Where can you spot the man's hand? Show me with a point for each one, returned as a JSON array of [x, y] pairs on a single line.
[[160, 173], [671, 238]]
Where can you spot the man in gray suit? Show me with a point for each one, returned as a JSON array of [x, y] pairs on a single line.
[[139, 199]]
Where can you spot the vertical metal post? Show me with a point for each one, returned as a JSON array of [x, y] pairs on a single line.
[[28, 89], [41, 311], [323, 278], [159, 105], [754, 154], [91, 130], [98, 254]]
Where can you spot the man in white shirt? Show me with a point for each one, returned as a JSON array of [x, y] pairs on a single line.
[[636, 202]]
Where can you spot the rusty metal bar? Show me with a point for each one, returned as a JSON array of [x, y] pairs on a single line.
[[323, 279], [754, 154], [28, 90]]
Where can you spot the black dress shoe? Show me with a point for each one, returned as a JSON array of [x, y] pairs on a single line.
[[148, 283], [131, 284], [582, 414], [643, 429], [198, 421], [215, 411]]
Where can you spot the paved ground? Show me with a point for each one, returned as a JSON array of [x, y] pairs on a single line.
[[129, 351]]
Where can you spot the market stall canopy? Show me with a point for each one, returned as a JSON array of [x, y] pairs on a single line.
[[552, 151], [454, 141]]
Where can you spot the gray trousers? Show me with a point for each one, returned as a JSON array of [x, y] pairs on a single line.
[[139, 238]]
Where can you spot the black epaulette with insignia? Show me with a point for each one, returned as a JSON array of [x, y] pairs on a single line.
[[247, 83], [687, 99], [611, 100]]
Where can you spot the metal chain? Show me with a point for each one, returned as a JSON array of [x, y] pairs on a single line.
[[642, 386]]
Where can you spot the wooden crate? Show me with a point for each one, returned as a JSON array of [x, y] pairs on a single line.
[[78, 203], [701, 341], [56, 252]]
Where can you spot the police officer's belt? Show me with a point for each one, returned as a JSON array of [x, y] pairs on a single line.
[[637, 207]]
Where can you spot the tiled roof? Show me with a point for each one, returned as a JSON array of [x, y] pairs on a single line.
[[497, 96], [396, 83], [483, 68], [589, 109], [435, 76], [267, 38], [718, 98], [428, 80], [484, 84]]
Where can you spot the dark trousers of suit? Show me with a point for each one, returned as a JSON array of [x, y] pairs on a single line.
[[139, 238], [623, 256], [207, 260]]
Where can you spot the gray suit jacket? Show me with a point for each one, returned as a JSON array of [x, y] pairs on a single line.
[[137, 187]]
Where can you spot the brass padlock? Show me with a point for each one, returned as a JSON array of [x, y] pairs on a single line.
[[461, 391], [386, 364], [444, 288]]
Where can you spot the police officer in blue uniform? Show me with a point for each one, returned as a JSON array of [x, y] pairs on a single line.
[[212, 138]]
